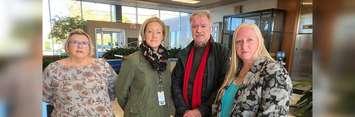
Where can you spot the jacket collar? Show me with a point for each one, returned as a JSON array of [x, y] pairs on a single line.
[[184, 52], [257, 67]]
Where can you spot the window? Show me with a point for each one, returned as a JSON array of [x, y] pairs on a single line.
[[185, 30], [129, 14], [178, 22], [97, 11], [144, 14], [47, 48], [172, 20], [64, 8]]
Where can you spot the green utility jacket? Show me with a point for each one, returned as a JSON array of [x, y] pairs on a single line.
[[137, 88]]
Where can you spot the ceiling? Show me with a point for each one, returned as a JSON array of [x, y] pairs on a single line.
[[203, 4]]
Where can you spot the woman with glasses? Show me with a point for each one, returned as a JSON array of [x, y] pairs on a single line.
[[79, 85]]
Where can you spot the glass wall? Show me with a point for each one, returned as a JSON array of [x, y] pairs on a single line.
[[64, 8], [97, 11], [144, 14], [129, 14], [178, 22], [185, 31], [171, 19]]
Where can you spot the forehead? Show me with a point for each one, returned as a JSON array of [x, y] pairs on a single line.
[[199, 19], [154, 25], [78, 37], [246, 32]]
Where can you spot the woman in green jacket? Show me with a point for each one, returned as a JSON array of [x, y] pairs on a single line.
[[144, 83]]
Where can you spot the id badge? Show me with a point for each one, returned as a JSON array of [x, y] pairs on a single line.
[[161, 98]]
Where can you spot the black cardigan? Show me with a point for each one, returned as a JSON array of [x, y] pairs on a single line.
[[217, 66]]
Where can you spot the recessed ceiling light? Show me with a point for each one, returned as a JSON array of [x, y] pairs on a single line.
[[306, 3], [187, 1]]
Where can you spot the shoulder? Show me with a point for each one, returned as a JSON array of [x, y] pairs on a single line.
[[133, 58], [183, 52], [53, 69], [266, 65], [275, 73], [220, 48], [54, 65], [218, 45], [100, 61], [273, 67], [134, 55]]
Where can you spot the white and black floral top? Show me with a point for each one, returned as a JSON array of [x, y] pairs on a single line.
[[266, 91], [80, 91]]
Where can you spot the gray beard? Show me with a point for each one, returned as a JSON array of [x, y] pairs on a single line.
[[201, 44]]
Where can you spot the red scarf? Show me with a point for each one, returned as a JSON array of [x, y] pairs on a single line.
[[197, 86]]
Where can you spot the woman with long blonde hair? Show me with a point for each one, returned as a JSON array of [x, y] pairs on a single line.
[[255, 85]]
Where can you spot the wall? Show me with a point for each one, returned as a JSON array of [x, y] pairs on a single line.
[[292, 8], [132, 30], [249, 5]]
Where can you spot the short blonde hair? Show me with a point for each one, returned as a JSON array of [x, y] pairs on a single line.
[[201, 13], [150, 20], [79, 32], [261, 52]]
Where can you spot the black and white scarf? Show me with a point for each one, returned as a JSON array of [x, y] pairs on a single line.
[[157, 59]]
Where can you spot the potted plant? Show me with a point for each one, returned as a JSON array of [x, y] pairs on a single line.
[[63, 25], [115, 56]]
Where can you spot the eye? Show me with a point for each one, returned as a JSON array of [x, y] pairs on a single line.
[[250, 40], [238, 41], [85, 43], [74, 42]]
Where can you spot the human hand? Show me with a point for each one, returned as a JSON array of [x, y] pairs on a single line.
[[192, 113]]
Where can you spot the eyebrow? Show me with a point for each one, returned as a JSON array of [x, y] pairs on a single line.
[[77, 40]]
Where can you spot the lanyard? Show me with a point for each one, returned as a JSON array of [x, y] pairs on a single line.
[[160, 81]]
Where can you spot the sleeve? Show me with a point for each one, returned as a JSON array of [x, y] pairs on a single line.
[[111, 80], [223, 66], [225, 60], [47, 87], [207, 106], [276, 91], [124, 81], [177, 76]]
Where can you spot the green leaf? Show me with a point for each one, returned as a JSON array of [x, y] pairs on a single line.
[[63, 25]]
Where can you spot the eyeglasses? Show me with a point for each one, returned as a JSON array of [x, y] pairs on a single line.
[[77, 43]]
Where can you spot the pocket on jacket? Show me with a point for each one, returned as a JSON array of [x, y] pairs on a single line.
[[134, 105]]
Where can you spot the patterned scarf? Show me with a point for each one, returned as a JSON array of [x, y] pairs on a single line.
[[158, 59]]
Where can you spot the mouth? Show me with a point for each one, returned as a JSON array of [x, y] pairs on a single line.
[[79, 51], [245, 52], [199, 35]]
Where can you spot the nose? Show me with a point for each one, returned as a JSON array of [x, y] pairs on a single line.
[[80, 45], [154, 35], [198, 29], [243, 45]]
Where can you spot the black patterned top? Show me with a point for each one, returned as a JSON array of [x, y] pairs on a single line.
[[266, 91]]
